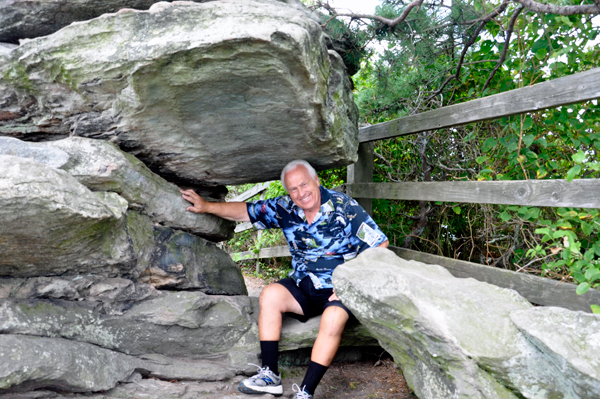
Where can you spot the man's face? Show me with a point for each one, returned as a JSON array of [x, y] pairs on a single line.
[[303, 189]]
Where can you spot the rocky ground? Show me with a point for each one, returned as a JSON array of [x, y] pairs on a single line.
[[347, 380]]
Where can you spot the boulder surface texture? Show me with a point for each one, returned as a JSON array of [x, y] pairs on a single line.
[[108, 286], [205, 94], [461, 338]]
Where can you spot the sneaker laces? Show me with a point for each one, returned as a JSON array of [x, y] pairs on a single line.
[[300, 392], [262, 372]]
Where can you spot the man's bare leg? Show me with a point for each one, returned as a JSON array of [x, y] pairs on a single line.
[[275, 300], [328, 340]]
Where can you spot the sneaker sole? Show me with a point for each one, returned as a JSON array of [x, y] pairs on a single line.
[[275, 391]]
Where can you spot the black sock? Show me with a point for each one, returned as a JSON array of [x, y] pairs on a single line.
[[313, 376], [269, 353]]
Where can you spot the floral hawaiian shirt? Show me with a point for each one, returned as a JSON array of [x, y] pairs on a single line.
[[340, 231]]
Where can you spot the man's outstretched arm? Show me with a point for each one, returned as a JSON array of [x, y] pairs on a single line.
[[236, 211]]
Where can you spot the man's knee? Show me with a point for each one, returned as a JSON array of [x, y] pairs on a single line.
[[276, 297], [333, 321]]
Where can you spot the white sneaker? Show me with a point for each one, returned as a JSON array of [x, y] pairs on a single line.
[[265, 381], [300, 392]]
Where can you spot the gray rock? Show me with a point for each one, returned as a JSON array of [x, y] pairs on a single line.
[[6, 48], [158, 389], [169, 369], [29, 363], [21, 19], [51, 224], [297, 335], [183, 261], [187, 87], [570, 339], [53, 157], [188, 325], [452, 337], [101, 166]]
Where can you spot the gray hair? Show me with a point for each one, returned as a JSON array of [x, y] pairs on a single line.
[[293, 165]]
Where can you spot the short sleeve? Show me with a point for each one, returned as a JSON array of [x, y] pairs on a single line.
[[263, 214], [364, 229]]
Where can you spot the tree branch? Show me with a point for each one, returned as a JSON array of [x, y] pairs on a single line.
[[560, 10], [386, 21], [471, 41], [509, 31]]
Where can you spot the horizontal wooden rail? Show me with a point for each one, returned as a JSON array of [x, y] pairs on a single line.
[[273, 252], [572, 89], [581, 193], [252, 192], [537, 290]]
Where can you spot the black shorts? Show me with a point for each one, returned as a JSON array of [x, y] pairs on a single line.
[[312, 301]]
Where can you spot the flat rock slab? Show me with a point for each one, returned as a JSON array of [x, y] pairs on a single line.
[[452, 337], [205, 94], [28, 363]]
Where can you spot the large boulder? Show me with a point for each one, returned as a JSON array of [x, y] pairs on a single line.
[[183, 261], [29, 363], [570, 339], [222, 92], [452, 337], [188, 325], [101, 166], [52, 224], [20, 19]]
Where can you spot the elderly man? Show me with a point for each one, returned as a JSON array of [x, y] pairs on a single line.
[[323, 228]]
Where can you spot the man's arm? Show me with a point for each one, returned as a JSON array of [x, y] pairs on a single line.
[[384, 244], [237, 211]]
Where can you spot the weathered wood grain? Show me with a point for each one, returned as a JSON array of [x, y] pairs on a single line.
[[537, 290], [273, 252], [562, 91], [362, 172], [252, 192], [581, 193]]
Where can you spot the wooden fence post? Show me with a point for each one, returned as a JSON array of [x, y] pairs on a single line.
[[362, 172]]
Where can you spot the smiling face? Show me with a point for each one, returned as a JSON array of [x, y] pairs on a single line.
[[303, 189]]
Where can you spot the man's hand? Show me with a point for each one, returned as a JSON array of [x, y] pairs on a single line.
[[199, 204], [333, 297], [236, 211]]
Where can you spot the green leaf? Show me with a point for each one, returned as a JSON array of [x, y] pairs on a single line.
[[505, 216], [457, 210], [528, 140], [574, 171], [579, 157], [586, 228], [595, 309], [489, 144], [544, 230], [532, 213], [582, 288], [481, 159]]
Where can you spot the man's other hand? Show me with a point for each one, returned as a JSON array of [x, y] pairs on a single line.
[[199, 205]]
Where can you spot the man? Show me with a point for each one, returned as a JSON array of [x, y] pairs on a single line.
[[323, 228]]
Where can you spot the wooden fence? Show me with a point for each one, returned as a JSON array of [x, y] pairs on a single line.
[[581, 193]]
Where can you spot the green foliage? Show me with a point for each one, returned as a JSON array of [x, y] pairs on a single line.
[[418, 70]]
